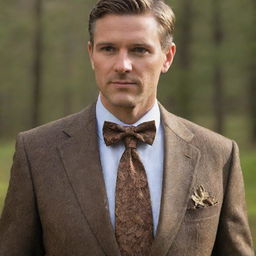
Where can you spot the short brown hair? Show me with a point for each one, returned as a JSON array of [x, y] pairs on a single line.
[[159, 9]]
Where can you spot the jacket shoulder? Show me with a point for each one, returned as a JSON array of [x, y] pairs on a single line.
[[55, 130], [193, 133], [203, 133], [209, 141]]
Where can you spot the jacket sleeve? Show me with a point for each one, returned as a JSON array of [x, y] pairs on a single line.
[[20, 229], [234, 237]]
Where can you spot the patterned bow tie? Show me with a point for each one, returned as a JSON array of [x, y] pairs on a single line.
[[113, 133], [133, 213]]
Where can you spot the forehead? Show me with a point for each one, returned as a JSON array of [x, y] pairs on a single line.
[[127, 28]]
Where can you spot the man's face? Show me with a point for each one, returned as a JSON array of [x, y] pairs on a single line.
[[128, 59]]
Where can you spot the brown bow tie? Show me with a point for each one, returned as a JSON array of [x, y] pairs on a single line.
[[133, 213]]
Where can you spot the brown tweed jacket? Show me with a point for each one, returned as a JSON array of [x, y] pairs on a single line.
[[56, 203]]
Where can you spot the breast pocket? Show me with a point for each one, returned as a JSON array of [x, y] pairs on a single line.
[[204, 213]]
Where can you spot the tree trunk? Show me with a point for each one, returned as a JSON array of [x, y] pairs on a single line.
[[218, 85], [218, 99], [184, 57], [37, 64], [252, 77]]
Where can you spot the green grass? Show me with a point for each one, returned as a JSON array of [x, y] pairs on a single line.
[[248, 161], [6, 153]]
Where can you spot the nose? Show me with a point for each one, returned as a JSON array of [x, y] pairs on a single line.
[[122, 63]]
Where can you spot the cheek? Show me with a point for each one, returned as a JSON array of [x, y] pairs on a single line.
[[153, 72], [100, 71], [151, 77], [100, 64], [99, 78]]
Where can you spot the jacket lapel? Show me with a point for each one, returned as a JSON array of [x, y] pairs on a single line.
[[80, 156], [179, 171]]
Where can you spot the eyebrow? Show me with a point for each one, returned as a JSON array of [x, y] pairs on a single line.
[[103, 44], [100, 44], [142, 45]]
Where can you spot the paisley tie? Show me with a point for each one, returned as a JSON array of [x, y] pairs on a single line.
[[133, 213]]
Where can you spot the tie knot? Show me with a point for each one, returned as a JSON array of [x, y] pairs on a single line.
[[113, 133], [129, 130], [130, 142]]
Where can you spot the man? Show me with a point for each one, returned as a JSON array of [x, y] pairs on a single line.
[[76, 189]]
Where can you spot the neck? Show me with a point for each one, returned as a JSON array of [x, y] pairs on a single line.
[[128, 115]]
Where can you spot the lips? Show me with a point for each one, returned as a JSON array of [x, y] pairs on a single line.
[[122, 83]]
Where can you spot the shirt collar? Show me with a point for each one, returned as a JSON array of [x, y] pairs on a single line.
[[102, 115]]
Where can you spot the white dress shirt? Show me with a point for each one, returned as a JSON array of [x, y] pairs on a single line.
[[151, 156]]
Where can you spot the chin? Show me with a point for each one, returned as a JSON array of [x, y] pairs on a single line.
[[124, 103], [121, 100]]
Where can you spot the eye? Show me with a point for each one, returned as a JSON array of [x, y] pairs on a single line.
[[140, 50], [108, 49]]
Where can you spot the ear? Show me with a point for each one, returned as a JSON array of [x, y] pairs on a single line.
[[90, 52], [169, 56]]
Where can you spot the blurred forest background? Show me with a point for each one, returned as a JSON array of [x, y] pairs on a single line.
[[45, 73]]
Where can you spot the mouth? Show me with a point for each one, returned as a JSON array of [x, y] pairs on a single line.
[[122, 83]]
